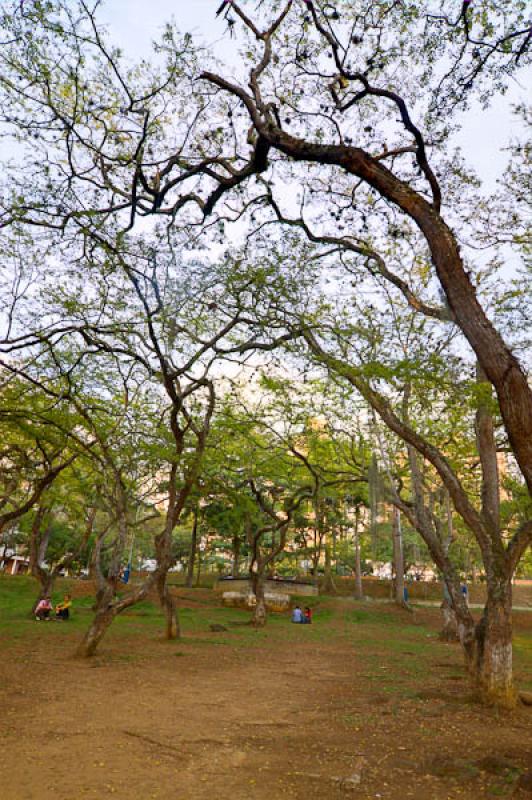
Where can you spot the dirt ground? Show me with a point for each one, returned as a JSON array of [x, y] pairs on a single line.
[[234, 715]]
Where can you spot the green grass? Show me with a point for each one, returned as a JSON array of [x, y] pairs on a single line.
[[17, 595], [378, 636], [523, 660]]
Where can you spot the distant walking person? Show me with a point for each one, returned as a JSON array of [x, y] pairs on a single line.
[[297, 615]]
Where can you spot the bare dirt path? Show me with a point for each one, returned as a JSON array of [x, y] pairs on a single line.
[[282, 716]]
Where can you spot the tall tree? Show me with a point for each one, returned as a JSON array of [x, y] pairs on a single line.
[[368, 92], [488, 645]]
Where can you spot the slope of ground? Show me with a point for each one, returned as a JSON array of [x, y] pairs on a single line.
[[364, 703]]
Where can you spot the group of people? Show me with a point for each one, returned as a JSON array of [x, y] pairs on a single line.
[[44, 609], [302, 617]]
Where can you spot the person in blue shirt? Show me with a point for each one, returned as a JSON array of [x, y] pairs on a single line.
[[297, 615], [465, 593]]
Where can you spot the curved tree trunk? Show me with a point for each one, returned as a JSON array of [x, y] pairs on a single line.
[[96, 631], [110, 607], [499, 363], [105, 607]]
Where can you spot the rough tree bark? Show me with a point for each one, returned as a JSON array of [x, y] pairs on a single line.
[[493, 657]]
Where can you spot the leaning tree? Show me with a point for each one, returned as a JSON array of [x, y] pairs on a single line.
[[338, 119], [441, 407]]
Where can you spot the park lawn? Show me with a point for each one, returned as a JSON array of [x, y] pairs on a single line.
[[289, 711]]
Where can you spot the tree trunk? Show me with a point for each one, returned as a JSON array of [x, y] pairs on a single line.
[[493, 664], [198, 573], [359, 590], [106, 586], [259, 612], [398, 559], [193, 549], [169, 606], [173, 628], [449, 631], [165, 560], [97, 629], [329, 586], [236, 556]]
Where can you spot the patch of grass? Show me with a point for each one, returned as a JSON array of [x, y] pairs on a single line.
[[523, 659], [17, 594], [365, 616], [312, 601], [523, 644]]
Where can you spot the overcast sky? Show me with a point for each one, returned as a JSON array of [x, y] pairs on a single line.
[[133, 24]]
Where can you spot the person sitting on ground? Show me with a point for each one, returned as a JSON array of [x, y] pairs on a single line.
[[43, 609], [62, 609], [297, 615], [307, 617]]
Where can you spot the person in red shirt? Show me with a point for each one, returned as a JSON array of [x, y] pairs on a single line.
[[307, 616]]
